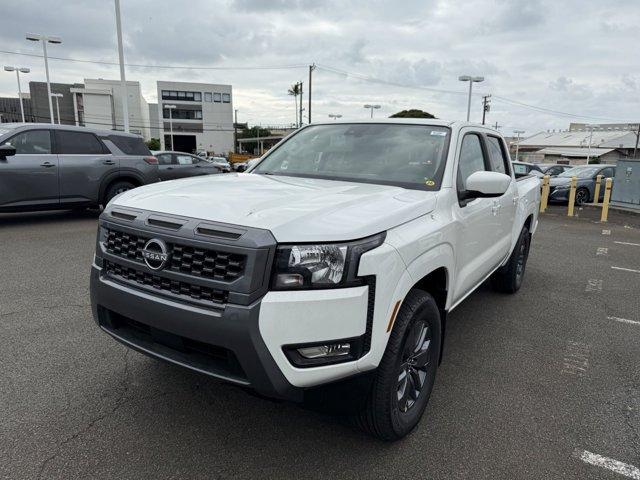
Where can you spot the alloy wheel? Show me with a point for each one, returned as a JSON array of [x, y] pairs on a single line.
[[414, 367]]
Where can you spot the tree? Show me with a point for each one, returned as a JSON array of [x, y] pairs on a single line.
[[413, 113], [295, 90], [153, 144], [253, 132]]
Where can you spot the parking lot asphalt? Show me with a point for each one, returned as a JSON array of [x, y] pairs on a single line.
[[528, 384]]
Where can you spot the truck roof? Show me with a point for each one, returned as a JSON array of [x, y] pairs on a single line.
[[412, 121]]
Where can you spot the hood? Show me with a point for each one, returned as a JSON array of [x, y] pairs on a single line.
[[293, 209]]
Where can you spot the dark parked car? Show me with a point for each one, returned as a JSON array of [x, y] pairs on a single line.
[[44, 166], [175, 165], [560, 186], [552, 169], [522, 169]]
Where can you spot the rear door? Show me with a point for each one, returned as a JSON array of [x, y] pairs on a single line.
[[166, 166], [185, 165], [30, 177], [506, 204], [477, 252], [84, 162]]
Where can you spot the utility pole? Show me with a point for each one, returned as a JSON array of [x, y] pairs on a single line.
[[517, 132], [123, 81], [635, 150], [235, 132], [486, 106], [497, 127], [312, 67], [301, 97]]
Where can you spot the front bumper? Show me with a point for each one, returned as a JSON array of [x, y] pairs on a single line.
[[224, 343], [559, 195]]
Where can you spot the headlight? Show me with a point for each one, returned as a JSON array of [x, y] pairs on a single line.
[[563, 187], [327, 265]]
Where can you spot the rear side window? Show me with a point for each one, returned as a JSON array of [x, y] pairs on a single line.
[[31, 142], [79, 143], [130, 145], [471, 159], [608, 172], [497, 157], [184, 159]]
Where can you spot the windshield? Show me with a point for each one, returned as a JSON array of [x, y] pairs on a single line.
[[411, 156], [580, 172]]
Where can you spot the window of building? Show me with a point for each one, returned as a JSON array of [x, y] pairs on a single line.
[[226, 98], [207, 97], [197, 96], [182, 114], [217, 97], [78, 143], [181, 96], [32, 142]]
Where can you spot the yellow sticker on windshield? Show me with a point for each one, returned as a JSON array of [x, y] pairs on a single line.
[[430, 183]]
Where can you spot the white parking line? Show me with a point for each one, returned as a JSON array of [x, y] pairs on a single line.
[[628, 243], [626, 269], [625, 469], [624, 320], [602, 251], [606, 232]]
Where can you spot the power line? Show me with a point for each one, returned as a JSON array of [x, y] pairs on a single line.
[[139, 65]]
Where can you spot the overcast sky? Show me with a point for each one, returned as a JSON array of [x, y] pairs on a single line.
[[574, 56]]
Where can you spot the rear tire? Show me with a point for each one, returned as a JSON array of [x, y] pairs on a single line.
[[508, 278], [117, 188], [407, 371]]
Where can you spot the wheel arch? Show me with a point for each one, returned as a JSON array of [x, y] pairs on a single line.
[[126, 177], [436, 284]]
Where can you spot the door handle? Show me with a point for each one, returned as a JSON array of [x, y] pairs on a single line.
[[108, 162], [47, 164]]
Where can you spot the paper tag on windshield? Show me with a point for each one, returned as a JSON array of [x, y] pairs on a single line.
[[436, 133]]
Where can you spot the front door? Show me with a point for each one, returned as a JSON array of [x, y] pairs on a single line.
[[476, 221], [29, 179]]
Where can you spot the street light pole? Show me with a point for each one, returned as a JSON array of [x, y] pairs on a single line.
[[591, 127], [170, 108], [372, 108], [471, 80], [123, 81], [18, 71], [57, 96], [46, 39], [517, 132]]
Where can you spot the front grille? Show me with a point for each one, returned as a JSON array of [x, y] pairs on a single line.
[[150, 281], [200, 262]]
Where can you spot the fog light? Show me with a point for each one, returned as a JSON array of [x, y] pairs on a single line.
[[326, 351], [284, 280]]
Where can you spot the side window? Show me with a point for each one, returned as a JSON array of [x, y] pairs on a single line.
[[497, 157], [184, 159], [471, 159], [164, 159], [31, 142], [607, 172], [78, 143]]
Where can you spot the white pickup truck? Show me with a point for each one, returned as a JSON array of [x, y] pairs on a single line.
[[325, 273]]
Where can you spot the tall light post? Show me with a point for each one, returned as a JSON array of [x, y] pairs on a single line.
[[372, 108], [18, 71], [57, 96], [170, 108], [517, 132], [34, 37], [471, 80], [335, 116], [123, 81], [590, 127]]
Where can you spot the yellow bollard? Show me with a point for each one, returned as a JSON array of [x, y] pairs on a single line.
[[545, 193], [596, 195], [605, 202], [572, 195]]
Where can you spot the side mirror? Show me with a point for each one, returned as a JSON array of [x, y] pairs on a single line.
[[487, 184], [7, 150]]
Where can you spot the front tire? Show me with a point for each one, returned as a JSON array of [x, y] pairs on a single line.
[[582, 196], [117, 188], [407, 372], [508, 278]]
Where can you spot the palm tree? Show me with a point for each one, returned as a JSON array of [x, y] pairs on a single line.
[[295, 91]]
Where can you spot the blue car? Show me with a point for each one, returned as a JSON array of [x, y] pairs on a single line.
[[560, 186]]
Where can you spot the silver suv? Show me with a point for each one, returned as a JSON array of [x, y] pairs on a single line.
[[45, 166]]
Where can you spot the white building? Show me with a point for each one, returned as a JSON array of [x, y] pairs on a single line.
[[202, 119], [99, 105]]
